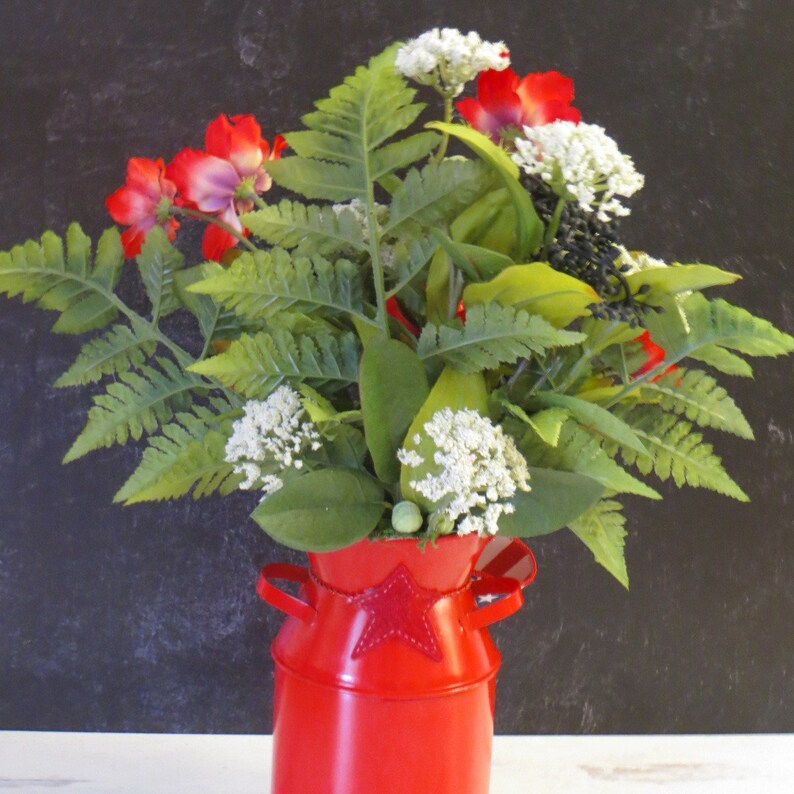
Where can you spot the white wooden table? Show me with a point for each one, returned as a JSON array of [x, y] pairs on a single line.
[[82, 763]]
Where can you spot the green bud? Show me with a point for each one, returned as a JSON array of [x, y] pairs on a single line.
[[440, 523], [406, 517]]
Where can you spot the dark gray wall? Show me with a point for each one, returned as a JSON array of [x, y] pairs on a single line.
[[144, 618]]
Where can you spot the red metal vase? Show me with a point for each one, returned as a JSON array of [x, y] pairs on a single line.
[[385, 672]]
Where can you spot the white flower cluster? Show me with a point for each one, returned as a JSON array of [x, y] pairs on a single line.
[[581, 160], [447, 60], [480, 467], [271, 432], [638, 260]]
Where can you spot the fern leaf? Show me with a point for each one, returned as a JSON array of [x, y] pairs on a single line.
[[699, 397], [158, 261], [675, 451], [405, 259], [602, 530], [580, 452], [138, 402], [722, 360], [119, 349], [262, 284], [492, 335], [187, 455], [437, 192], [66, 280], [340, 154], [307, 229], [255, 365], [715, 322]]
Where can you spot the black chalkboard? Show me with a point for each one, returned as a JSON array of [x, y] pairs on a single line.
[[145, 618]]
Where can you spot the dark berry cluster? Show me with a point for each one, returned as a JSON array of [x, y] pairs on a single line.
[[586, 248]]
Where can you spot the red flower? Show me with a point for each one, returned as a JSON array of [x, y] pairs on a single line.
[[393, 308], [655, 356], [142, 203], [224, 179], [505, 100]]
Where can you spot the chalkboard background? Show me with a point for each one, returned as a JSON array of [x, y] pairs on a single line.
[[144, 618]]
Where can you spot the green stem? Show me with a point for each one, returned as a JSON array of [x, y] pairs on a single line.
[[442, 147], [554, 223], [191, 213]]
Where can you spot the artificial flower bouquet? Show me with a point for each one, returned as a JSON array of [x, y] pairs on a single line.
[[436, 329]]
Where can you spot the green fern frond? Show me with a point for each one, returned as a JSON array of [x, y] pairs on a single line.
[[254, 365], [675, 451], [722, 360], [492, 335], [438, 192], [405, 259], [66, 280], [187, 455], [158, 263], [307, 229], [138, 403], [602, 530], [265, 283], [699, 397], [342, 154], [715, 322], [118, 350], [581, 452]]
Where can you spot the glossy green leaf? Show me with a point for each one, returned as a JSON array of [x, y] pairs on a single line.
[[323, 510]]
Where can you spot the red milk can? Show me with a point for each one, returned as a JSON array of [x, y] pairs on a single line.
[[385, 673]]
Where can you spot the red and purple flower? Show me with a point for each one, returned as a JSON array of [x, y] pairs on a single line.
[[504, 100], [225, 179], [142, 203], [655, 355]]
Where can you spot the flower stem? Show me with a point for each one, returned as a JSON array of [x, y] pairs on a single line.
[[191, 213], [442, 147], [554, 223]]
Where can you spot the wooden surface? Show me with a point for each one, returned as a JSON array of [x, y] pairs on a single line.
[[82, 763]]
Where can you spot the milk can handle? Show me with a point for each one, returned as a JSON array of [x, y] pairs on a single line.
[[279, 598], [504, 607]]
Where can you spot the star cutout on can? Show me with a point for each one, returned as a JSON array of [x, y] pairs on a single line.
[[398, 608]]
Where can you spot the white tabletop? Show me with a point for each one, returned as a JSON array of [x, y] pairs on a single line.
[[83, 763]]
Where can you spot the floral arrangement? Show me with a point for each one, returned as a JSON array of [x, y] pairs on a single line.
[[410, 340]]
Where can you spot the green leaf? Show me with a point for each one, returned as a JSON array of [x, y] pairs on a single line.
[[529, 229], [262, 284], [436, 193], [322, 510], [118, 350], [308, 229], [711, 323], [138, 402], [556, 499], [393, 387], [547, 424], [722, 360], [342, 154], [454, 390], [538, 289], [678, 278], [409, 256], [476, 262], [66, 282], [344, 446], [580, 452], [602, 530], [594, 418], [492, 335], [699, 397], [255, 365], [158, 262], [675, 451], [187, 455]]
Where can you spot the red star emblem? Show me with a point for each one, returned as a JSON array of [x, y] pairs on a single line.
[[398, 608]]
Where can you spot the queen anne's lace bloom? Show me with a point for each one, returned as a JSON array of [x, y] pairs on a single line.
[[447, 59], [477, 467], [581, 162], [272, 432]]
